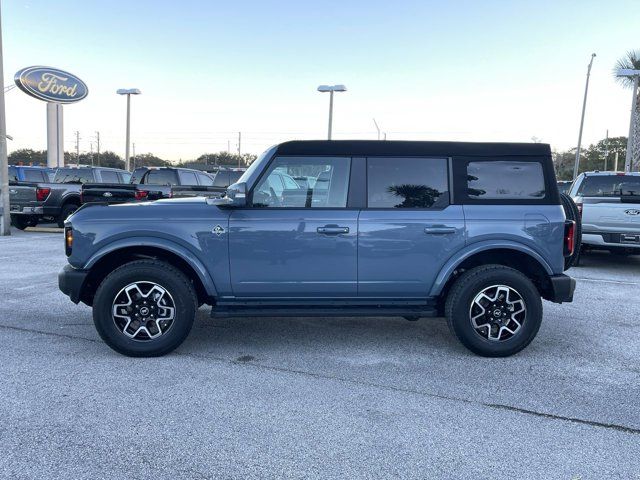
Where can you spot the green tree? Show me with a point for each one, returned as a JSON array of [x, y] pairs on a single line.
[[226, 159], [27, 156], [148, 160]]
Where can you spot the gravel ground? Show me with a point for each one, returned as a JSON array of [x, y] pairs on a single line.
[[317, 398]]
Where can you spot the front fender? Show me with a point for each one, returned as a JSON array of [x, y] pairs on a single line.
[[447, 270], [179, 250]]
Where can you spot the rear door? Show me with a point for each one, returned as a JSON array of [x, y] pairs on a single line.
[[408, 229]]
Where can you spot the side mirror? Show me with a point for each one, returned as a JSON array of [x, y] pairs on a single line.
[[235, 197]]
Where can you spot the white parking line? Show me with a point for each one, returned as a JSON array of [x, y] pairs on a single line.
[[601, 280]]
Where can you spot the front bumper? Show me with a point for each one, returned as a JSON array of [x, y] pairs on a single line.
[[70, 281], [562, 288], [17, 210]]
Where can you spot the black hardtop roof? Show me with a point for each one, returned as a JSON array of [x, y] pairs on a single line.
[[411, 148]]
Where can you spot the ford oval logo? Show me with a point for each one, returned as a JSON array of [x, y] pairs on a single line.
[[632, 211], [107, 194], [51, 85]]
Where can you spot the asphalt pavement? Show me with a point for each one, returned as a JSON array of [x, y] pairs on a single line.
[[317, 397]]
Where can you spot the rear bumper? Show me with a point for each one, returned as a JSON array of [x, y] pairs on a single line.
[[26, 210], [612, 239], [562, 288], [70, 282]]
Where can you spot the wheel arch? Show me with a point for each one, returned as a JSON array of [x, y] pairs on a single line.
[[115, 255], [510, 254]]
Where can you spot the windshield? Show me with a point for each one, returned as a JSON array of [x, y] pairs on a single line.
[[610, 186], [254, 166]]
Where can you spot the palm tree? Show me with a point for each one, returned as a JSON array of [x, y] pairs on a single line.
[[631, 61]]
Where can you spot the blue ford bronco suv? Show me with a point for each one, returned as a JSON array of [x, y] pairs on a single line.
[[475, 232]]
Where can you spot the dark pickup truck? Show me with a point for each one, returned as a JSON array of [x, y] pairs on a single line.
[[31, 201], [153, 183]]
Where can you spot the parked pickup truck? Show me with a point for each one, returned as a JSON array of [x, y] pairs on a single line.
[[56, 200], [472, 231], [25, 198], [610, 207], [153, 183]]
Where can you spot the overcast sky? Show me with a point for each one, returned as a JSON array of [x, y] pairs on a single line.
[[435, 70]]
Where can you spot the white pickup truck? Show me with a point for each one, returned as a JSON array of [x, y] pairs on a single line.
[[609, 203]]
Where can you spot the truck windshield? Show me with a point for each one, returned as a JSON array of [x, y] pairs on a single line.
[[610, 186]]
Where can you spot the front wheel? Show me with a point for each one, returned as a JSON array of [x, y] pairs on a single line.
[[144, 308], [495, 311]]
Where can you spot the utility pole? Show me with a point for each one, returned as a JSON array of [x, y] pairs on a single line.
[[77, 147], [5, 220], [228, 146], [606, 150], [239, 146], [91, 152], [133, 159], [98, 147], [584, 106], [377, 127]]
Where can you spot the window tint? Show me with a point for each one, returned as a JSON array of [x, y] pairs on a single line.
[[13, 174], [205, 180], [221, 179], [610, 186], [125, 177], [109, 176], [407, 183], [187, 178], [504, 180], [73, 175], [34, 176], [277, 188], [161, 177]]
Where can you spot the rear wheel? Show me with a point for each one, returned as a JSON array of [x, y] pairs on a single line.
[[67, 210], [144, 308], [23, 221], [495, 311]]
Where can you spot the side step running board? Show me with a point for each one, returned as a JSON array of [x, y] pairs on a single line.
[[318, 311]]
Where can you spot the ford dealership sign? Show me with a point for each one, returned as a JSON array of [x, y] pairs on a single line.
[[51, 85]]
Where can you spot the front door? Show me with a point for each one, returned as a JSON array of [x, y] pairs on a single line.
[[409, 229], [297, 238]]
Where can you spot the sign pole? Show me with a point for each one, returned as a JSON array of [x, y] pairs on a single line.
[[5, 220], [55, 139]]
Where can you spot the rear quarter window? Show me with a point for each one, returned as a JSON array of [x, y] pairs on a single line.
[[505, 180], [35, 175]]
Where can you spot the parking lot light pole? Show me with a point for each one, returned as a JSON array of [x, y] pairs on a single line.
[[632, 141], [128, 92], [584, 107], [331, 89], [5, 219]]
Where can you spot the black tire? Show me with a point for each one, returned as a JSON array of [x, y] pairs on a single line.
[[572, 213], [181, 293], [20, 221], [472, 283], [67, 209]]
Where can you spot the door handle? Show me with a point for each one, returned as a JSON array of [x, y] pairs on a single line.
[[332, 230], [439, 230]]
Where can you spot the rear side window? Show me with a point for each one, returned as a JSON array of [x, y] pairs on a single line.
[[73, 175], [109, 176], [125, 177], [407, 183], [609, 186], [13, 174], [161, 177], [34, 176], [505, 180]]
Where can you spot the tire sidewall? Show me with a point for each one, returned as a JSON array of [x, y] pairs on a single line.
[[177, 286], [461, 322], [66, 211]]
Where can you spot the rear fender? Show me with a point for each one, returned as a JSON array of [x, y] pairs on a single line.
[[470, 250]]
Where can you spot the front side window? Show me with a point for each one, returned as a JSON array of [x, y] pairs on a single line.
[[73, 175], [188, 178], [34, 176], [109, 176], [161, 177], [407, 183], [505, 180], [205, 180], [278, 189]]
